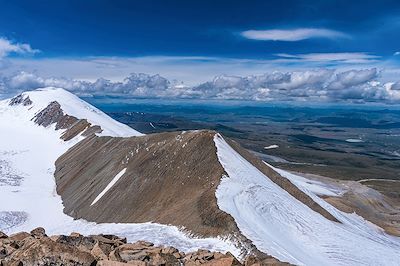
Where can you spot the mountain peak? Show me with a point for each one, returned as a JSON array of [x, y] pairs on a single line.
[[59, 102]]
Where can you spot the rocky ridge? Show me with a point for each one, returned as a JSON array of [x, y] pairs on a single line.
[[36, 248]]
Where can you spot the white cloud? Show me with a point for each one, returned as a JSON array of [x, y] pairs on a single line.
[[362, 85], [292, 35], [395, 86], [7, 47], [347, 58], [352, 78], [396, 53]]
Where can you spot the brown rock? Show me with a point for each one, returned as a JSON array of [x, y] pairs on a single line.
[[114, 256], [38, 232], [82, 242], [102, 239], [7, 250], [158, 260], [3, 235], [101, 251], [111, 263], [138, 263], [19, 236], [154, 250], [117, 263], [164, 259], [200, 255], [226, 261], [44, 251], [128, 255], [169, 250], [75, 234], [144, 243], [115, 238], [261, 261], [178, 255], [55, 238]]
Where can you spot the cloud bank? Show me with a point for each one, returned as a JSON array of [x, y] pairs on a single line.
[[292, 35], [320, 85]]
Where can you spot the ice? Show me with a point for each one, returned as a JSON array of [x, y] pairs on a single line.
[[281, 226]]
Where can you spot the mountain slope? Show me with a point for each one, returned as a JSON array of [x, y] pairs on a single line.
[[169, 178], [283, 227]]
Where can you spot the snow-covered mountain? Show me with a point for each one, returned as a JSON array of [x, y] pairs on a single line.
[[28, 153], [65, 167]]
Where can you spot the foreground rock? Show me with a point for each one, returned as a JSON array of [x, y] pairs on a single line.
[[36, 248]]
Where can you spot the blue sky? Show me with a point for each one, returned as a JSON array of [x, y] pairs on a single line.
[[194, 41], [198, 28]]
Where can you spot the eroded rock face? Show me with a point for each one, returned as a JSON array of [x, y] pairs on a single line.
[[53, 114], [107, 250], [20, 99], [49, 115]]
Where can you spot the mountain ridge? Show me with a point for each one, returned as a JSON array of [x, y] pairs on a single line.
[[111, 178]]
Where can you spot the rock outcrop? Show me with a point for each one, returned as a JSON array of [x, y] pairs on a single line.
[[20, 99], [53, 114], [36, 248]]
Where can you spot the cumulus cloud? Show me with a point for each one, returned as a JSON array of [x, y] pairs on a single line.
[[292, 35], [395, 86], [7, 47], [352, 78], [312, 85]]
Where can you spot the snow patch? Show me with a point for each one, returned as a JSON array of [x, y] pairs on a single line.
[[107, 188], [354, 140], [274, 146]]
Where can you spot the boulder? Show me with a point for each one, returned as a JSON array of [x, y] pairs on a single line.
[[44, 251], [128, 255], [169, 250], [225, 261], [115, 238], [113, 242], [82, 242], [101, 251], [75, 234], [164, 259], [38, 232]]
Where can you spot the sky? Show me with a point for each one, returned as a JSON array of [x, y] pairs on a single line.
[[340, 51]]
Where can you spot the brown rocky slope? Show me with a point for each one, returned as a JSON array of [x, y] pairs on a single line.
[[170, 178]]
